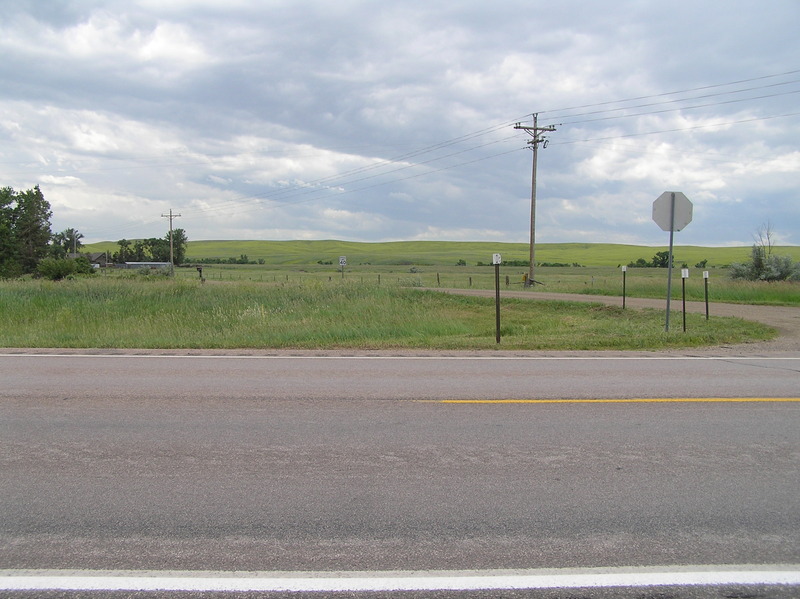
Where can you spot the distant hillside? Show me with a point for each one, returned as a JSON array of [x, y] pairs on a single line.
[[450, 252]]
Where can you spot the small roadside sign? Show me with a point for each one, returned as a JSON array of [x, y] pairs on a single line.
[[497, 260], [342, 260]]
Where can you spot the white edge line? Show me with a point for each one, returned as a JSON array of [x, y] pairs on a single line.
[[31, 580], [429, 358]]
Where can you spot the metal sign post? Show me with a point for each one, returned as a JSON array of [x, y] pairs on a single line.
[[343, 263], [672, 211], [684, 276], [624, 272], [496, 260]]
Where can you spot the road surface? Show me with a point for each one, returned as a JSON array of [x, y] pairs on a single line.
[[460, 467]]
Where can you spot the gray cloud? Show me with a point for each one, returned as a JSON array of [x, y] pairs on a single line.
[[375, 121]]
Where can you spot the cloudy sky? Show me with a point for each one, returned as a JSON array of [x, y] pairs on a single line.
[[382, 120]]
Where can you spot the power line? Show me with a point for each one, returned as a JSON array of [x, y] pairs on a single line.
[[672, 93], [621, 108], [678, 129], [678, 109]]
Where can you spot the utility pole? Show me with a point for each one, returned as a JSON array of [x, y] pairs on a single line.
[[536, 138], [170, 216]]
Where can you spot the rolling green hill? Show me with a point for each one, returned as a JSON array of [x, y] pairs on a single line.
[[450, 252]]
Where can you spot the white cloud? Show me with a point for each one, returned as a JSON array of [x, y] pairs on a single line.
[[364, 121]]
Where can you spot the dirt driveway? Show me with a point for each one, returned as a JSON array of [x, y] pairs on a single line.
[[786, 320]]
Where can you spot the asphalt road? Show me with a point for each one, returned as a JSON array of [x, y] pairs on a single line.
[[335, 463]]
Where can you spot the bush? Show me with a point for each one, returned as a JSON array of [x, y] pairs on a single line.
[[766, 268], [56, 269]]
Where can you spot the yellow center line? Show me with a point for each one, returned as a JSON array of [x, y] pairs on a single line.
[[626, 400]]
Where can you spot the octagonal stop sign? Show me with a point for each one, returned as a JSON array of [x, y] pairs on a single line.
[[663, 211]]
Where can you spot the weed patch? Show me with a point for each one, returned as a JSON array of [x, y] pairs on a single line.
[[162, 313]]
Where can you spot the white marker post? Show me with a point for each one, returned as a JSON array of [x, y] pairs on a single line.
[[705, 278], [672, 211]]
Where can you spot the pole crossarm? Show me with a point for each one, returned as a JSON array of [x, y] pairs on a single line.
[[534, 132]]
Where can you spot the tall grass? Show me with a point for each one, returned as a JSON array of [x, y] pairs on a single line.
[[108, 312], [640, 282]]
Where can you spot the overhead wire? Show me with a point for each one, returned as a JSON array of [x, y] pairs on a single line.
[[672, 93], [296, 193]]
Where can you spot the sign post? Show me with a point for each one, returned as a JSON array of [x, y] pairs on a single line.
[[672, 211], [624, 272], [496, 260], [343, 263], [684, 276]]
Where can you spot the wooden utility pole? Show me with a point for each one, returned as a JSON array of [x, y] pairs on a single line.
[[170, 216], [536, 138]]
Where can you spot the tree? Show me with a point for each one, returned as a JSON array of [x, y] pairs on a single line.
[[159, 248], [66, 242], [24, 230], [764, 238], [179, 245], [139, 252], [661, 260], [124, 251], [32, 227], [9, 266], [153, 249]]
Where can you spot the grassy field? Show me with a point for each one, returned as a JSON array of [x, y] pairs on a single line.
[[138, 311], [640, 282], [300, 298], [448, 253]]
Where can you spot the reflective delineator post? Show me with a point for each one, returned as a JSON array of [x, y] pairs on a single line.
[[684, 276], [624, 272], [705, 278], [496, 260]]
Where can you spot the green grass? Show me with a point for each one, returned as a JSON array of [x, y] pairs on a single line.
[[433, 264], [449, 252], [640, 282], [145, 312]]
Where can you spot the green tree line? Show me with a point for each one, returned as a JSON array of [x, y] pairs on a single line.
[[24, 231], [28, 246], [154, 249]]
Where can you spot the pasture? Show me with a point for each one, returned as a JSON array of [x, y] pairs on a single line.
[[448, 253], [384, 298], [322, 312]]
